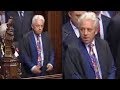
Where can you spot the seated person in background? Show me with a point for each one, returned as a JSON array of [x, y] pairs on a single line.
[[37, 54], [114, 41]]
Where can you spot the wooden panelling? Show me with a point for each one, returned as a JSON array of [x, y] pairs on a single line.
[[54, 29], [54, 76]]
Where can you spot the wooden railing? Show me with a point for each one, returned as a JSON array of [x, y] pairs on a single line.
[[54, 76]]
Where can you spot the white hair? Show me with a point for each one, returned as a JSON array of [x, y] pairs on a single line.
[[38, 17], [89, 16]]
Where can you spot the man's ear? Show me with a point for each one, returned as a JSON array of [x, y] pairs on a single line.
[[32, 26], [69, 14], [96, 32]]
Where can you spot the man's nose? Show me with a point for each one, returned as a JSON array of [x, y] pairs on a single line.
[[85, 32]]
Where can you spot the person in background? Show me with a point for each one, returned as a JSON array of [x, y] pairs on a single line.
[[112, 13], [3, 17], [21, 23], [71, 27], [113, 40], [70, 30], [104, 21]]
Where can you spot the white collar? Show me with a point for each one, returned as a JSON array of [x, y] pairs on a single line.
[[93, 42], [73, 26]]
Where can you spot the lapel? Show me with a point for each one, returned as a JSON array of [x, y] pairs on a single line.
[[21, 20], [89, 71], [85, 54], [43, 42], [43, 37], [25, 15], [33, 43], [112, 13], [100, 54], [17, 15]]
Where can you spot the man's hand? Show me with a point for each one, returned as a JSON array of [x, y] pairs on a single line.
[[49, 67], [36, 69]]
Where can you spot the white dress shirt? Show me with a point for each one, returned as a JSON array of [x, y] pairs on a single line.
[[101, 27], [76, 30]]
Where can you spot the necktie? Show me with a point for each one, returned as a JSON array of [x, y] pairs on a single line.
[[39, 52], [94, 61]]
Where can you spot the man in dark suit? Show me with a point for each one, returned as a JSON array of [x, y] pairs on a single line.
[[37, 59], [70, 30], [114, 38], [112, 13], [84, 63], [103, 24], [71, 27], [118, 62], [21, 23]]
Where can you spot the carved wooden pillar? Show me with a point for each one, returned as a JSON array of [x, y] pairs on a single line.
[[10, 65], [10, 68]]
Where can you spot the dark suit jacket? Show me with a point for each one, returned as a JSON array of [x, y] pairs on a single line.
[[105, 22], [68, 35], [113, 37], [29, 52], [77, 61], [112, 13], [67, 30], [21, 27], [118, 62]]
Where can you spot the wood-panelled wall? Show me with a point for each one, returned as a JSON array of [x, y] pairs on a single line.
[[54, 29]]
